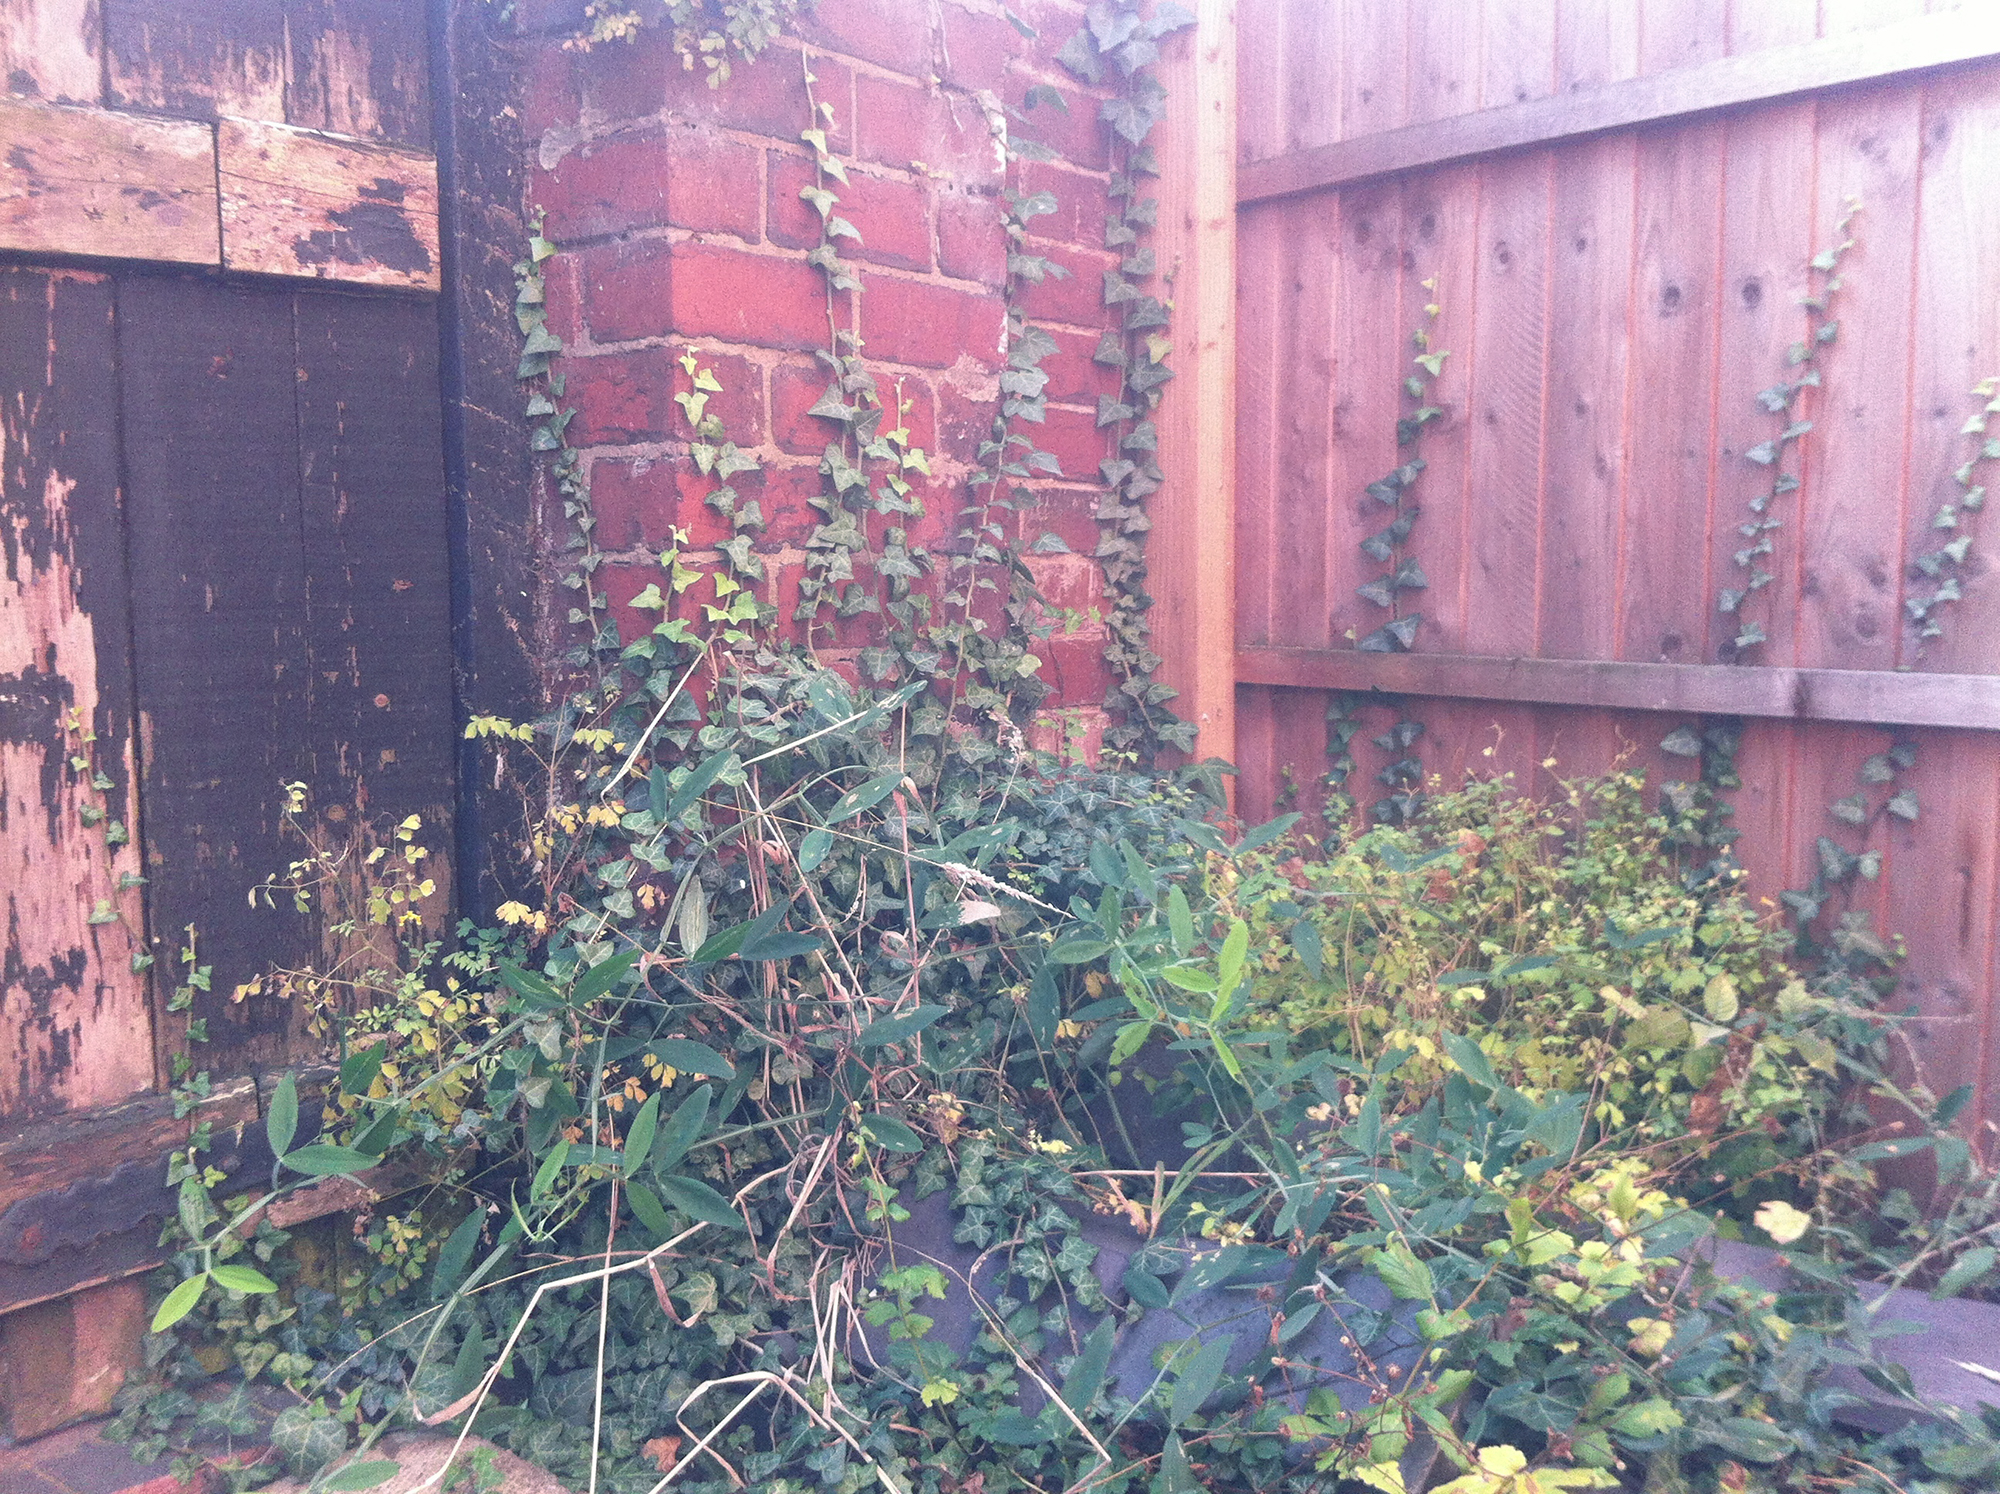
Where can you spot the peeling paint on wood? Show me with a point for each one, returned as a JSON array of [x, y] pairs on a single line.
[[74, 1025], [91, 181], [360, 67], [200, 58], [50, 50], [295, 202]]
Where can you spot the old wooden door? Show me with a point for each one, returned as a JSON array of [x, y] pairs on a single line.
[[223, 550]]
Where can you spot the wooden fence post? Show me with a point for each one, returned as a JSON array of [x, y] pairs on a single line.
[[1192, 549]]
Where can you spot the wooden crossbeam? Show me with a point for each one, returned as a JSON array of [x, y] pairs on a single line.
[[1874, 697], [239, 194], [1960, 36]]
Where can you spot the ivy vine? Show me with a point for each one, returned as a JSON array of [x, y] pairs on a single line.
[[1946, 564], [1782, 401], [1118, 40]]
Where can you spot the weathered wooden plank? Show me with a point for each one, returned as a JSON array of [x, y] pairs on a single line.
[[1776, 73], [378, 584], [210, 387], [1676, 305], [1372, 67], [359, 67], [295, 202], [1956, 345], [1312, 48], [51, 50], [96, 182], [1356, 363], [1877, 697], [1444, 62], [199, 60], [74, 1025], [1193, 558]]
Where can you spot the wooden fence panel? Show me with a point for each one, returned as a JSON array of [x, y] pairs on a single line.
[[1613, 301]]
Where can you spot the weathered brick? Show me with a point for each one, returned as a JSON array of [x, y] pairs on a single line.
[[605, 187], [536, 16], [565, 313], [768, 97], [908, 321], [1073, 438], [551, 92], [900, 42], [625, 288], [764, 300], [784, 493], [712, 183], [795, 389], [620, 398], [897, 124], [1077, 299], [1079, 136], [642, 501], [1080, 204], [978, 48], [740, 405], [1069, 513], [629, 79], [1075, 377], [963, 423], [1073, 665], [892, 217], [972, 244]]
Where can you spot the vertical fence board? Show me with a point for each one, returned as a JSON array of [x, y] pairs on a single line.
[[1677, 303], [74, 1025]]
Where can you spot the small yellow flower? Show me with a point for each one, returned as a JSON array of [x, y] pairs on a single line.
[[1053, 1147], [513, 912]]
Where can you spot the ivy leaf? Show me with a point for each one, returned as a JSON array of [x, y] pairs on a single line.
[[1878, 769], [1904, 805], [1380, 591], [1763, 453], [1683, 741], [1852, 810]]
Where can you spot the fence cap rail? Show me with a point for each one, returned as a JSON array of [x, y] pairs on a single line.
[[1958, 36], [1874, 697]]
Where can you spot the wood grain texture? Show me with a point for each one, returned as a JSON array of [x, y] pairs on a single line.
[[299, 203], [209, 385], [359, 67], [197, 60], [1676, 304], [1758, 77], [1880, 697], [52, 50], [1192, 560], [96, 182], [74, 1025]]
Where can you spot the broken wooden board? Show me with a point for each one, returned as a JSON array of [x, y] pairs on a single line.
[[51, 50], [75, 1028], [296, 202], [114, 186]]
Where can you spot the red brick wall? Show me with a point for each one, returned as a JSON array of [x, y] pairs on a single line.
[[676, 211]]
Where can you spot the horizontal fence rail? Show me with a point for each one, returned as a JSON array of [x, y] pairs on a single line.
[[1873, 697], [1781, 72]]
